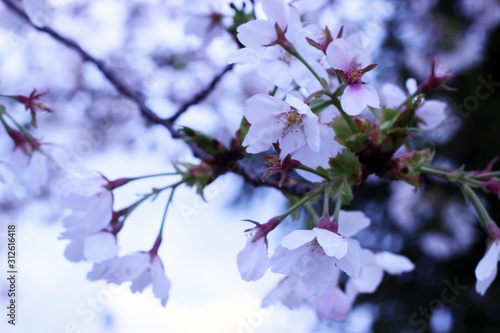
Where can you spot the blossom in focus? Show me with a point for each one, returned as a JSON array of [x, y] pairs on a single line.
[[258, 33], [343, 55], [275, 64], [486, 269], [142, 268], [430, 112], [314, 255], [291, 122]]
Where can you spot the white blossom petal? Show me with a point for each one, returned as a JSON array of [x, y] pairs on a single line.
[[257, 33], [161, 284], [357, 96], [253, 260], [351, 262], [298, 238], [277, 11], [393, 263], [333, 244], [100, 246], [432, 113], [488, 264], [351, 222]]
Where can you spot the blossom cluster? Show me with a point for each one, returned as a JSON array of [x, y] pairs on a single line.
[[326, 126]]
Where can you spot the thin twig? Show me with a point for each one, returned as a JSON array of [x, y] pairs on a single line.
[[248, 175]]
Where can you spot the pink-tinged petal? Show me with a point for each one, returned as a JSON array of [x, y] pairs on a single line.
[[100, 246], [253, 260], [351, 222], [332, 304], [107, 270], [484, 284], [411, 85], [432, 113], [161, 284], [393, 263], [276, 72], [489, 262], [392, 95], [277, 11], [141, 282], [333, 244], [133, 265], [338, 55], [291, 142], [357, 96], [318, 275], [297, 238], [290, 291], [257, 33], [351, 262], [74, 250]]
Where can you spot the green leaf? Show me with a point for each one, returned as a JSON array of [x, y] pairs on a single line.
[[208, 144], [345, 170], [318, 105], [355, 141]]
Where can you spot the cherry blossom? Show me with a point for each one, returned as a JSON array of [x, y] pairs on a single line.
[[142, 268], [343, 55], [315, 254], [275, 64], [332, 304], [95, 247], [328, 148], [372, 270], [291, 122], [486, 269], [253, 260], [90, 200], [430, 112]]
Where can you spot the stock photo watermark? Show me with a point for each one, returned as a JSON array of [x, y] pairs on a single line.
[[482, 92], [420, 319]]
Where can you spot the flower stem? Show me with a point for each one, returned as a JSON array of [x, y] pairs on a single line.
[[293, 51], [484, 218], [326, 201], [487, 175], [316, 172], [455, 176], [410, 98], [299, 204], [338, 205]]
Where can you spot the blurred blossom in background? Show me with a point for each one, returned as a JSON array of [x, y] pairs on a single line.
[[170, 50]]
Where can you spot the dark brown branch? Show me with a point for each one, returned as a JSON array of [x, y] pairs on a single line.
[[249, 175]]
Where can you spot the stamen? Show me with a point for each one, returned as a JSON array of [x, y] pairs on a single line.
[[289, 120]]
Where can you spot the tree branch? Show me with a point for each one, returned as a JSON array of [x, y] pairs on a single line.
[[248, 175]]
